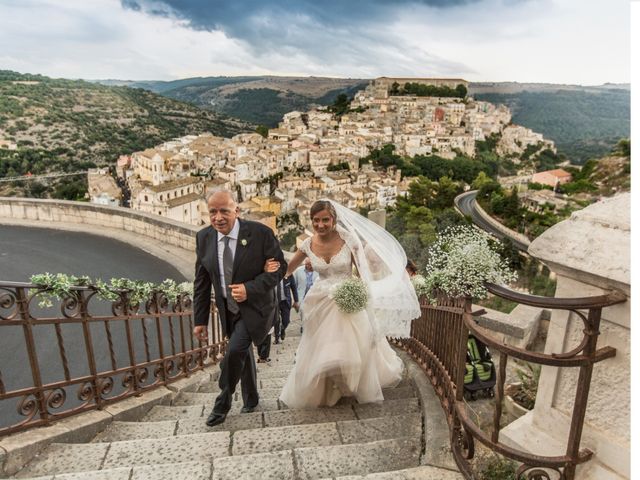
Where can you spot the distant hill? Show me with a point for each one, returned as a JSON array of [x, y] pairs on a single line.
[[260, 100], [584, 122], [81, 122], [54, 125]]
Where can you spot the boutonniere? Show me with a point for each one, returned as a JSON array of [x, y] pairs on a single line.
[[243, 242]]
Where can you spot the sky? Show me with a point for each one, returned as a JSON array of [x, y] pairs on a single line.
[[583, 42]]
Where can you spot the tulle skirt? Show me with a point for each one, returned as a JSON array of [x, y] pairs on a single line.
[[338, 356]]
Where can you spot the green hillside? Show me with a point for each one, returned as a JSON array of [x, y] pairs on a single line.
[[583, 123], [68, 125], [259, 100]]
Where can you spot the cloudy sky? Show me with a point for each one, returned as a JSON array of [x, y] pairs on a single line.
[[559, 41]]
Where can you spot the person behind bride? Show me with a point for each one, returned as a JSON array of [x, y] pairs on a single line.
[[347, 354]]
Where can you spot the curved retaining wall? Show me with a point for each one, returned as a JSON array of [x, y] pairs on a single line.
[[174, 242]]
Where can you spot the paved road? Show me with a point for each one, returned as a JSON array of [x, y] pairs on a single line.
[[25, 251], [467, 204]]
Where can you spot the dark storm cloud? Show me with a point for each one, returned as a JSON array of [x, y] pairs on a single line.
[[359, 33], [231, 16]]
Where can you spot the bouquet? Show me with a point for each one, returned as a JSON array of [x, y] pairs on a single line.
[[351, 296]]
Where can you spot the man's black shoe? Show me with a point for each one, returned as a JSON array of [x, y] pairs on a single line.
[[248, 409], [282, 335], [276, 341], [215, 419]]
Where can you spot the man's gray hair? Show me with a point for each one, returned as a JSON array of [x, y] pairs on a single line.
[[212, 192]]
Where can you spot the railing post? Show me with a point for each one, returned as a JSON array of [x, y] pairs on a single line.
[[27, 326], [91, 358], [463, 336], [582, 392], [156, 302]]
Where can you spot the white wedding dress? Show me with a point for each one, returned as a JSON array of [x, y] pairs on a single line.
[[339, 354]]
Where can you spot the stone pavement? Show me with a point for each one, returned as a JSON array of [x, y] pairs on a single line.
[[349, 441]]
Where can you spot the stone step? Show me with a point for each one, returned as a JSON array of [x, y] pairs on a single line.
[[200, 398], [320, 462], [75, 458], [273, 410], [72, 458], [417, 473], [170, 471], [350, 430]]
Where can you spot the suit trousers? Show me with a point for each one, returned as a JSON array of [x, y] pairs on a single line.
[[238, 365], [285, 314], [264, 349]]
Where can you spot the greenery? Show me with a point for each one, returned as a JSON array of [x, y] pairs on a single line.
[[582, 123], [66, 125], [525, 394], [262, 130], [338, 167], [499, 468], [422, 90], [60, 286]]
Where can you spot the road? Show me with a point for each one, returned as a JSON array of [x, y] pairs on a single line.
[[25, 251], [467, 205]]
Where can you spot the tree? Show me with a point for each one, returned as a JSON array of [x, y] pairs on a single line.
[[421, 192], [262, 130], [480, 181], [461, 90], [446, 191]]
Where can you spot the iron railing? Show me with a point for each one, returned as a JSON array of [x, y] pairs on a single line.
[[438, 343], [91, 353]]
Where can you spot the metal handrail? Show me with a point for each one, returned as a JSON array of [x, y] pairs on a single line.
[[438, 343], [134, 349]]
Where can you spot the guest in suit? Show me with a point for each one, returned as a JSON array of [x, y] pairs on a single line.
[[286, 290], [230, 255]]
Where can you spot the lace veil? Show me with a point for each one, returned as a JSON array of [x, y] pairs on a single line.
[[381, 263]]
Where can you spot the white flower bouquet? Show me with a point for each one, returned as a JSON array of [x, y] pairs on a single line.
[[420, 285], [462, 260], [351, 296]]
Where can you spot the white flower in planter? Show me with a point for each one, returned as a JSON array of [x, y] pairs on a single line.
[[461, 260]]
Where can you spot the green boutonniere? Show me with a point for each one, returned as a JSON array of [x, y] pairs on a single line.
[[243, 242]]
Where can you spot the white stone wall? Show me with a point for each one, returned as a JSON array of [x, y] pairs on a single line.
[[590, 252], [139, 229]]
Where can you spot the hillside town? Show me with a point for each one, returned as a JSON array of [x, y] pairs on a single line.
[[309, 155]]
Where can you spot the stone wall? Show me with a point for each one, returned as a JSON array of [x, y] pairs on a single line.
[[590, 252], [172, 241]]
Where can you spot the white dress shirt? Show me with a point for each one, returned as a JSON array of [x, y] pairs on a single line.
[[233, 243]]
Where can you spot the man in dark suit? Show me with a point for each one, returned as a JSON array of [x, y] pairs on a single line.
[[286, 288], [230, 255]]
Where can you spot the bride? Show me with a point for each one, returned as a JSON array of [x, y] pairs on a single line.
[[344, 354]]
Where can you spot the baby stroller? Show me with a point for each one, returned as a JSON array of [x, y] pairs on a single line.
[[480, 374]]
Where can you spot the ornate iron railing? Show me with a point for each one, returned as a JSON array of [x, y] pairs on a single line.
[[91, 353], [438, 343]]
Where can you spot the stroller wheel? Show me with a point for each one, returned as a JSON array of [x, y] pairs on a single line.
[[467, 395], [490, 392]]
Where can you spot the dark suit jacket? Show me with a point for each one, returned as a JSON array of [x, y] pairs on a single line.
[[248, 268]]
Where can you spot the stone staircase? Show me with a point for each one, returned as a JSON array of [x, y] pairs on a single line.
[[348, 441]]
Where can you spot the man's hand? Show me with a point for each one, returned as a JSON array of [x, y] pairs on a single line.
[[296, 306], [238, 292], [200, 332]]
